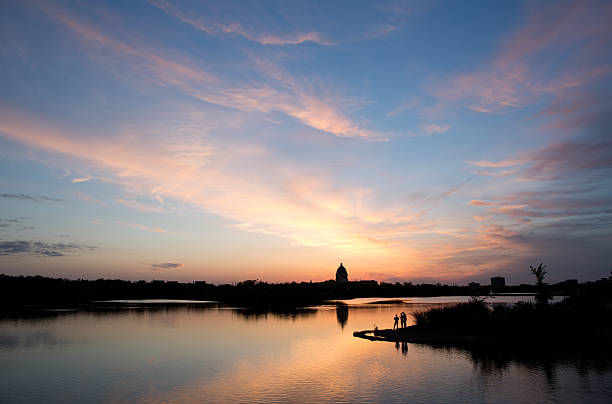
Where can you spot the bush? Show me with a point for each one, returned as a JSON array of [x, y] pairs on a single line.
[[571, 317], [463, 318]]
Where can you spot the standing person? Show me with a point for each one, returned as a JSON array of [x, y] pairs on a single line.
[[395, 321], [404, 319]]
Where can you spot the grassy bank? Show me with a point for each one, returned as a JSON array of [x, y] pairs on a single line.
[[573, 317]]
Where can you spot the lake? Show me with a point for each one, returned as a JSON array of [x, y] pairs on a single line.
[[190, 352]]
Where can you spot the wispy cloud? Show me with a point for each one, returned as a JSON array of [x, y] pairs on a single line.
[[571, 158], [293, 100], [515, 77], [575, 157], [305, 108], [146, 228], [6, 223], [310, 210], [211, 27], [25, 197], [140, 206], [496, 164], [435, 128], [288, 95], [405, 106], [549, 204], [40, 248], [431, 199], [167, 70], [275, 189], [476, 202], [214, 19]]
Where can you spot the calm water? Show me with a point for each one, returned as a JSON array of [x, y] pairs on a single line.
[[191, 353]]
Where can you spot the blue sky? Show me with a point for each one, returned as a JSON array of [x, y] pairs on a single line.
[[414, 141]]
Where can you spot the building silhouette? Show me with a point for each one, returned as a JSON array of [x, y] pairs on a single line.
[[498, 281], [341, 274], [342, 312]]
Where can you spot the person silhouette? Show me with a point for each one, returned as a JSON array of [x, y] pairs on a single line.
[[395, 319], [404, 319]]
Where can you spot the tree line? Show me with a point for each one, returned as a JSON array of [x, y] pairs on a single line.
[[20, 291]]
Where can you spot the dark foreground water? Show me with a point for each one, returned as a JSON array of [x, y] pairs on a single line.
[[193, 353]]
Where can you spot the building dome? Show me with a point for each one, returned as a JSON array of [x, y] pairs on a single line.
[[341, 274]]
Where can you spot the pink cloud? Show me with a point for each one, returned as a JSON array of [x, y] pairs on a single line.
[[498, 173], [167, 70], [435, 128], [550, 25], [496, 164], [480, 218], [288, 98], [570, 158], [272, 197], [211, 27], [403, 107], [548, 204], [204, 21], [307, 210], [514, 78]]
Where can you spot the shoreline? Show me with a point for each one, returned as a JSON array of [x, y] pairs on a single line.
[[416, 335]]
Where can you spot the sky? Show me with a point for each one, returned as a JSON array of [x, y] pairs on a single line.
[[433, 141]]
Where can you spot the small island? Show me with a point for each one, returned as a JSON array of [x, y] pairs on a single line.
[[573, 320], [583, 318]]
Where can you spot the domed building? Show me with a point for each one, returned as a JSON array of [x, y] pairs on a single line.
[[341, 274]]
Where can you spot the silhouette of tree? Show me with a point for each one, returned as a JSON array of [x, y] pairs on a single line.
[[539, 272], [542, 297]]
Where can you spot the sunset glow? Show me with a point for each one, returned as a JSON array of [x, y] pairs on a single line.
[[223, 141]]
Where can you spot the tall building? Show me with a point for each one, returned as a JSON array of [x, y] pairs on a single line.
[[341, 274]]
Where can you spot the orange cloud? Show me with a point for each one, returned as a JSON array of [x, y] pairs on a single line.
[[271, 197], [475, 202], [327, 217], [82, 179]]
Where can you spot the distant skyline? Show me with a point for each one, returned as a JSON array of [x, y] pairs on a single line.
[[223, 141]]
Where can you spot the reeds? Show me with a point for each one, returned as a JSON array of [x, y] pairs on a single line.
[[571, 317]]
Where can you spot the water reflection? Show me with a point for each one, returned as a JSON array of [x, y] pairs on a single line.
[[263, 314], [404, 347], [342, 312], [546, 364], [212, 353], [541, 356], [39, 338], [101, 310]]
